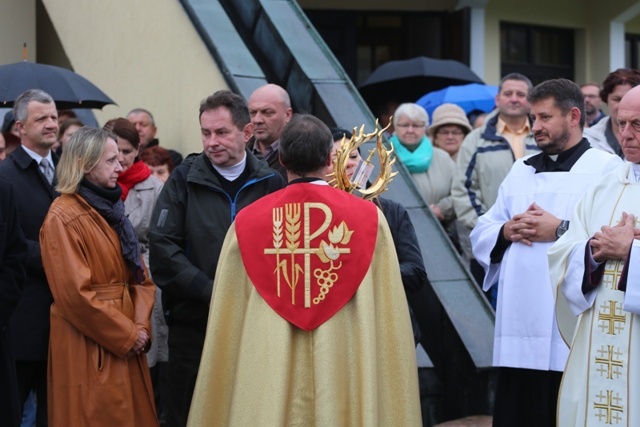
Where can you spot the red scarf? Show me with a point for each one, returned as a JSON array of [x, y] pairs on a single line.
[[138, 172]]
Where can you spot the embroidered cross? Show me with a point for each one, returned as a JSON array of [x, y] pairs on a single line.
[[612, 273], [611, 318], [608, 363], [607, 409]]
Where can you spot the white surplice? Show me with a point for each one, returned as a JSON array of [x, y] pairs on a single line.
[[600, 387], [526, 334]]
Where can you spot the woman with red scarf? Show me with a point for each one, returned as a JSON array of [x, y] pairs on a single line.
[[140, 190]]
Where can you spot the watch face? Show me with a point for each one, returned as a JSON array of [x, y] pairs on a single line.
[[562, 228]]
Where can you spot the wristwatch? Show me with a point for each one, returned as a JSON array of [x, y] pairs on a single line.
[[562, 228]]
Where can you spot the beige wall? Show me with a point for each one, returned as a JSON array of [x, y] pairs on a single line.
[[142, 53], [18, 24]]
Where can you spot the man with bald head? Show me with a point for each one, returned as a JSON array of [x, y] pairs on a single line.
[[270, 110], [595, 268]]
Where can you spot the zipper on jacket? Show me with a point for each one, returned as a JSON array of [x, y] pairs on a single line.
[[233, 202], [246, 184]]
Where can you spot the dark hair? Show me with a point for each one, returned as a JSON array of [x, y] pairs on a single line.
[[232, 102], [124, 129], [157, 156], [621, 76], [565, 93], [69, 114], [338, 133], [305, 144], [67, 124], [515, 76]]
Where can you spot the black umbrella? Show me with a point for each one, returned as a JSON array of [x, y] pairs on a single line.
[[68, 89], [407, 80]]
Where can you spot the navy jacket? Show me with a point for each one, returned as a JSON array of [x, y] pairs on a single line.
[[33, 196]]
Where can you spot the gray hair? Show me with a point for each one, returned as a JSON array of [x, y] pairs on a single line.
[[142, 110], [413, 112], [22, 102]]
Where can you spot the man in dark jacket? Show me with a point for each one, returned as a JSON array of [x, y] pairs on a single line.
[[270, 109], [194, 211], [13, 257], [30, 170]]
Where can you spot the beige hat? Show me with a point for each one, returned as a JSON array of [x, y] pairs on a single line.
[[448, 114]]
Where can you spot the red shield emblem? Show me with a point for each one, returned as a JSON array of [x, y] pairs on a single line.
[[306, 249]]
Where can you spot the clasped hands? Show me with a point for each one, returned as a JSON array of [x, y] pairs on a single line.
[[533, 225], [140, 344], [613, 243]]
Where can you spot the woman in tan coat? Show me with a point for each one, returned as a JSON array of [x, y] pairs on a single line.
[[100, 325]]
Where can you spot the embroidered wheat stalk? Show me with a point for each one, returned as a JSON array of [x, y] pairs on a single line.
[[277, 242], [293, 236]]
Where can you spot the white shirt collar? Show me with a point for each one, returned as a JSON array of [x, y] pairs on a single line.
[[37, 157], [230, 173], [636, 171]]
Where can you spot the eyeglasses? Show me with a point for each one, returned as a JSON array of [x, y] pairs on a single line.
[[449, 132], [408, 125]]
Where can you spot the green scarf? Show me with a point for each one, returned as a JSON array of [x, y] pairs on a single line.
[[416, 161]]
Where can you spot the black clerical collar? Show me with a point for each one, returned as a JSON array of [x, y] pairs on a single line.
[[565, 161]]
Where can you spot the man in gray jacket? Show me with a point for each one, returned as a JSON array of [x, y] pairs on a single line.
[[195, 209], [487, 153]]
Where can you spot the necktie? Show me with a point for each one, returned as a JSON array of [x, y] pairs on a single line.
[[47, 170]]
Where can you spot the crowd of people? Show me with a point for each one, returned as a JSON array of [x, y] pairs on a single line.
[[141, 288]]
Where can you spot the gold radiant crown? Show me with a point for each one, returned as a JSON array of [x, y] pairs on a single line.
[[358, 182]]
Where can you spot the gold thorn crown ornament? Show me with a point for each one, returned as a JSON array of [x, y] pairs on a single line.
[[358, 183]]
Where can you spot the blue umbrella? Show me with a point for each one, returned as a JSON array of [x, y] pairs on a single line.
[[469, 97]]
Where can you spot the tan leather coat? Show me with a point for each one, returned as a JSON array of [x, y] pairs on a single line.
[[95, 319]]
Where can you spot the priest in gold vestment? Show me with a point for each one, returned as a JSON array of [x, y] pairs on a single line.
[[595, 267], [309, 324]]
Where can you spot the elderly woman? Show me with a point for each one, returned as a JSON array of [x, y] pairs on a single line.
[[431, 168], [140, 190], [100, 318], [448, 128], [605, 134]]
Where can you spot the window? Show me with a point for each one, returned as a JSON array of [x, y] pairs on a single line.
[[540, 53], [364, 40], [632, 51]]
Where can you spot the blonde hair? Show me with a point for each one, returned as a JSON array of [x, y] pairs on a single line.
[[81, 154]]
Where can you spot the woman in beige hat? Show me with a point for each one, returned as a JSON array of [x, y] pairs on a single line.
[[447, 131], [449, 127]]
